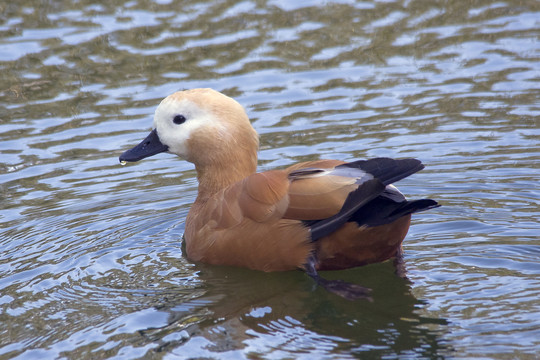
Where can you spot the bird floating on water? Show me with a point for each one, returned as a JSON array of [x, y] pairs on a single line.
[[315, 215]]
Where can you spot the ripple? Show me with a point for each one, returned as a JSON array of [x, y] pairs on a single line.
[[97, 246]]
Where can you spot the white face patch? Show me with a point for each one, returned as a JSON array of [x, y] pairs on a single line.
[[175, 136]]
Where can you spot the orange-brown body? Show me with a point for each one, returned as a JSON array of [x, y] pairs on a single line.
[[257, 223]]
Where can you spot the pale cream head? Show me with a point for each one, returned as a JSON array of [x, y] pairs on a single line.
[[213, 122], [216, 135]]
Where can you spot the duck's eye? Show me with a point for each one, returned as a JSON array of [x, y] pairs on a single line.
[[179, 119]]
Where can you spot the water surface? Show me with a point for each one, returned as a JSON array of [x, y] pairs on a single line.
[[91, 262]]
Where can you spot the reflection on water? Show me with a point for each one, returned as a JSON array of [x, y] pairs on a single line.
[[91, 262], [280, 314]]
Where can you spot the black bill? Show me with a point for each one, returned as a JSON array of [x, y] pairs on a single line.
[[148, 147]]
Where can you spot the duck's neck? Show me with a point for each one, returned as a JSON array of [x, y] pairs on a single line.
[[218, 175], [224, 155]]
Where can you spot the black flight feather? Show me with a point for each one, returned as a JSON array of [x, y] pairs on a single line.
[[384, 171]]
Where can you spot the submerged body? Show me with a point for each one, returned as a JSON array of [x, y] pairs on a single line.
[[324, 214]]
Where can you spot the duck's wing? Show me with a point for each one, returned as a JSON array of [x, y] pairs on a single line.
[[316, 191], [320, 189]]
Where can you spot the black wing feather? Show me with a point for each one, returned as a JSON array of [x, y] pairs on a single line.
[[357, 207]]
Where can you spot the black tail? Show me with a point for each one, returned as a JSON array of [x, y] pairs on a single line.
[[383, 210]]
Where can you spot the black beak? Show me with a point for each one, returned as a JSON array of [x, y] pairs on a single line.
[[148, 147]]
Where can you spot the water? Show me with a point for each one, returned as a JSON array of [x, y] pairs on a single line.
[[91, 262]]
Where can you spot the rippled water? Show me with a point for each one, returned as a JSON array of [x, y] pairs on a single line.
[[91, 261]]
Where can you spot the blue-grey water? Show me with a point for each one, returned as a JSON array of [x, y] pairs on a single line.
[[91, 261]]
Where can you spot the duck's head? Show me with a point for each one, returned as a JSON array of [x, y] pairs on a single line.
[[204, 127]]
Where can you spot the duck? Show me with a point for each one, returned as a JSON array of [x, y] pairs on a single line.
[[316, 215]]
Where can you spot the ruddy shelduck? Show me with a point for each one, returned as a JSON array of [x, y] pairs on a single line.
[[316, 215]]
